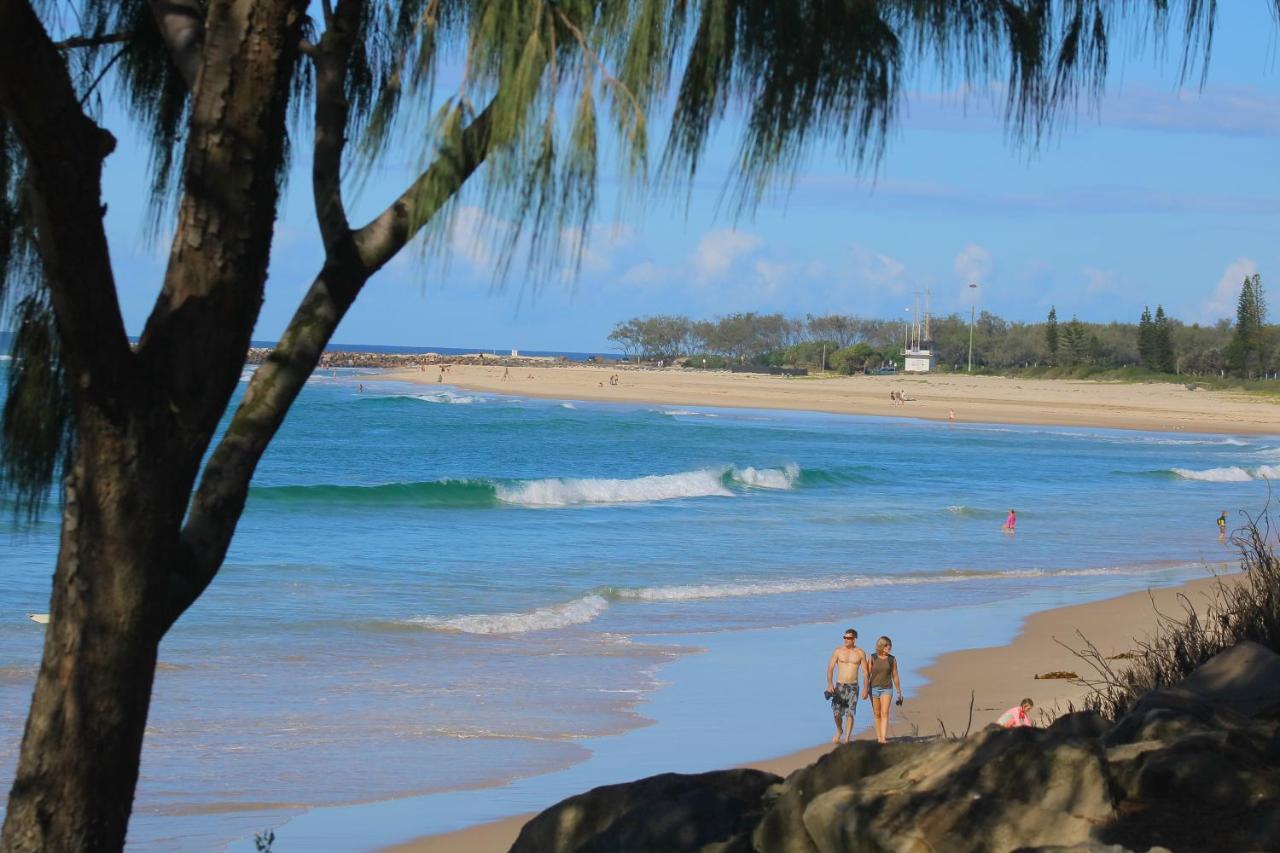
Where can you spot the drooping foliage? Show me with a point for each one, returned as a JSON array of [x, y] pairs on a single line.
[[555, 80]]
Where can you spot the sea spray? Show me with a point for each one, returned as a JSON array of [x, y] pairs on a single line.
[[555, 491], [576, 612], [552, 491], [750, 588], [1230, 474]]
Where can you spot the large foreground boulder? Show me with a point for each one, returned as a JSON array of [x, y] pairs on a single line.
[[670, 813], [1192, 767]]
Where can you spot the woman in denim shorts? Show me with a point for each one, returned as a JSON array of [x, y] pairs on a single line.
[[881, 684]]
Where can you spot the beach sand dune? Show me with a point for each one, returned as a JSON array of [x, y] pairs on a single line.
[[1158, 406]]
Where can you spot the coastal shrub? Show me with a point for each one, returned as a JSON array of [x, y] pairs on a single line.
[[1248, 609], [710, 362]]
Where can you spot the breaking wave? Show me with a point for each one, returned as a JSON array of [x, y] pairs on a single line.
[[591, 606], [1230, 474], [576, 612], [746, 589], [728, 481]]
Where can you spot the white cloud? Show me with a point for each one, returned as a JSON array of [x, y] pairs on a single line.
[[1101, 281], [597, 243], [645, 274], [717, 251], [772, 275], [871, 267], [1226, 293], [474, 236], [973, 264]]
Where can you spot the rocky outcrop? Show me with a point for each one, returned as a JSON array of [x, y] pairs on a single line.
[[1195, 767], [673, 811]]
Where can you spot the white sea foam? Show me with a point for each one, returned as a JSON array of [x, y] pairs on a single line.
[[1231, 474], [576, 612], [675, 413], [6, 358], [747, 589], [661, 487], [768, 478], [446, 397], [568, 406], [247, 373]]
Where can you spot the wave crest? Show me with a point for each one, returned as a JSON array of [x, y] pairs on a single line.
[[552, 491], [556, 491], [748, 589], [577, 612], [1229, 474]]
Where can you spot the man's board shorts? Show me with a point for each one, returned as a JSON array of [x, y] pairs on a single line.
[[844, 700]]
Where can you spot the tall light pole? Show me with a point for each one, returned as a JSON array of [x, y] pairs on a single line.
[[972, 307]]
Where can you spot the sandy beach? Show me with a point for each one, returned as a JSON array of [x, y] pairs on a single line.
[[1158, 406], [996, 678]]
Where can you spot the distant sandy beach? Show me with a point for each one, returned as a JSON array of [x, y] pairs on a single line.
[[1156, 406], [996, 679]]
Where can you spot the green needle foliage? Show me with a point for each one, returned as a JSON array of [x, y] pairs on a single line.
[[553, 78]]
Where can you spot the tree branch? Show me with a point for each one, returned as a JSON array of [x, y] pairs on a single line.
[[93, 41], [224, 487], [181, 25], [194, 342], [64, 150], [332, 112], [383, 237]]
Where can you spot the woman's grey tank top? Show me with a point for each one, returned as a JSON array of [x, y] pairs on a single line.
[[881, 671]]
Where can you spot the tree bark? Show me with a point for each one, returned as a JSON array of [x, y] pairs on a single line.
[[144, 421], [127, 567], [78, 767]]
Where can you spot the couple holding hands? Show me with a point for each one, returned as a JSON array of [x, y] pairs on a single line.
[[880, 671]]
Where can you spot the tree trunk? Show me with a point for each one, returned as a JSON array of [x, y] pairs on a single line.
[[79, 763]]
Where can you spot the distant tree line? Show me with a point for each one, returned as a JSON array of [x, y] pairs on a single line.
[[1248, 348]]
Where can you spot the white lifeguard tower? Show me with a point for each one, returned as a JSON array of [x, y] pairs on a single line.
[[918, 346]]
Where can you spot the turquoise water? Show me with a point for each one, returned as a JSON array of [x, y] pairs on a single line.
[[433, 590]]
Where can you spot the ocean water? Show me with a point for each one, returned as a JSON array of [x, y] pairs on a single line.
[[434, 590]]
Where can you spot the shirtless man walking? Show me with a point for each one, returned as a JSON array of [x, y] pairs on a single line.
[[845, 662]]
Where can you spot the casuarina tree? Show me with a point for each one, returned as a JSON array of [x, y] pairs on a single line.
[[151, 490]]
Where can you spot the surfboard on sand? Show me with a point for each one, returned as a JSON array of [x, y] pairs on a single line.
[[39, 618]]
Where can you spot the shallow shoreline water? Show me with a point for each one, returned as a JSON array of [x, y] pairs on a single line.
[[992, 669]]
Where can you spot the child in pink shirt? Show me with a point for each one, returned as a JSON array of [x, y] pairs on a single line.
[[1017, 715]]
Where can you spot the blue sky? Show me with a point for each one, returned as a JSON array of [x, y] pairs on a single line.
[[1170, 194]]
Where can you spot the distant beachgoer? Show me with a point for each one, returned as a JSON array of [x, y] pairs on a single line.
[[1017, 715], [893, 397], [882, 678], [1010, 523], [951, 415], [846, 661], [361, 387], [440, 378], [1222, 525], [506, 372]]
